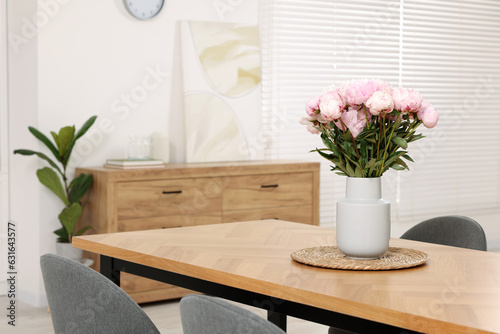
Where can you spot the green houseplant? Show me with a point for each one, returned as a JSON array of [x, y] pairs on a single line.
[[69, 192]]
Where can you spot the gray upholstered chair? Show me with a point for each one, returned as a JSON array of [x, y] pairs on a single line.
[[202, 314], [458, 231], [82, 300]]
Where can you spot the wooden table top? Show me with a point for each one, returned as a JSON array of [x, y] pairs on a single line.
[[456, 291]]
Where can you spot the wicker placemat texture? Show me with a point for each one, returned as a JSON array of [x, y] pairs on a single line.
[[331, 257]]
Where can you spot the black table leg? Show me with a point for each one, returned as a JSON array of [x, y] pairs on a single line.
[[108, 269], [278, 319], [111, 268]]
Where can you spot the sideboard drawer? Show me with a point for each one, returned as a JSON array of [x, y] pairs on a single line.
[[265, 191], [203, 218], [166, 198], [298, 214]]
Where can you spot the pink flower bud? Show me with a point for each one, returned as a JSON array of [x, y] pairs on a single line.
[[312, 106], [428, 115]]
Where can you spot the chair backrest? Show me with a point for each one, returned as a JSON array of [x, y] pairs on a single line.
[[202, 314], [82, 300], [458, 231]]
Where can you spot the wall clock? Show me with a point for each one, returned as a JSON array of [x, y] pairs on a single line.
[[144, 9]]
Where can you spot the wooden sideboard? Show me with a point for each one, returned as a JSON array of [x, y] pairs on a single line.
[[196, 194]]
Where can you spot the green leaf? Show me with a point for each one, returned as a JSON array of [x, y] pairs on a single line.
[[407, 157], [416, 137], [402, 163], [325, 155], [397, 167], [50, 179], [69, 216], [336, 151], [40, 155], [349, 169], [62, 234], [83, 230], [393, 157], [80, 133], [78, 187], [64, 139], [364, 150], [40, 136], [374, 166], [358, 172], [371, 163], [400, 142]]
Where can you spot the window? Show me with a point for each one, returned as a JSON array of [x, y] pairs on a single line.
[[449, 51]]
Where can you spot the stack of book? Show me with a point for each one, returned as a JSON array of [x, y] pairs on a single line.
[[133, 164]]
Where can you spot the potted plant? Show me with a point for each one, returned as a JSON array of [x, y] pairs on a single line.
[[366, 126], [55, 178]]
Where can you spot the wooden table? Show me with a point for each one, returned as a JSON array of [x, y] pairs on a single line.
[[456, 291]]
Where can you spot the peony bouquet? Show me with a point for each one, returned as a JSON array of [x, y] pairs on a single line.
[[366, 126]]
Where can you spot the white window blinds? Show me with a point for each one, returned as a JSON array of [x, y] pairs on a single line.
[[447, 50]]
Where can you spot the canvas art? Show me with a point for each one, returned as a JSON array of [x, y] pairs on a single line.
[[222, 75]]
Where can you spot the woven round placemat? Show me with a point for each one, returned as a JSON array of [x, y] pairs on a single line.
[[331, 257]]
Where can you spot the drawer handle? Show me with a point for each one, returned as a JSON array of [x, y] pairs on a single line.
[[269, 186], [172, 192]]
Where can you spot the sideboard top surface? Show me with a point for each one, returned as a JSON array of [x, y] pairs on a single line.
[[210, 169]]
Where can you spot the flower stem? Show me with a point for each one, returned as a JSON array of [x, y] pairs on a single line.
[[379, 138], [385, 151], [366, 117]]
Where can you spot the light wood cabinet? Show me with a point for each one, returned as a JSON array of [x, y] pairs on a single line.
[[195, 194]]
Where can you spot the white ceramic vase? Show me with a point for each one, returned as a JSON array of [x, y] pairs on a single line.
[[363, 219], [66, 249]]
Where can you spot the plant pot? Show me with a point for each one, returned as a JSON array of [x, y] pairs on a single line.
[[66, 249], [363, 220]]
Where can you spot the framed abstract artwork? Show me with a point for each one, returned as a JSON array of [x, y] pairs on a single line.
[[222, 75]]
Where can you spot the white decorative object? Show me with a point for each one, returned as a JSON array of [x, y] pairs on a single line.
[[139, 148], [160, 146], [66, 249], [363, 219]]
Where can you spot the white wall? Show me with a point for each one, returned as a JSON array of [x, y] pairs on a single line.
[[86, 56], [85, 59], [4, 180], [24, 190]]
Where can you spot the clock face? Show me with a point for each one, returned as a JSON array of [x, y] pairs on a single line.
[[144, 9]]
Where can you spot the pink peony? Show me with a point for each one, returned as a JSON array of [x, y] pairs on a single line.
[[354, 120], [428, 115], [331, 105], [380, 102], [406, 100], [357, 92], [312, 106]]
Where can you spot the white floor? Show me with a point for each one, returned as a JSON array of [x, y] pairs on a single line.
[[165, 315]]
